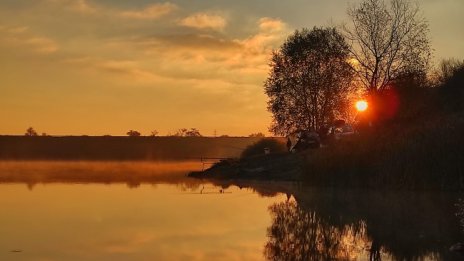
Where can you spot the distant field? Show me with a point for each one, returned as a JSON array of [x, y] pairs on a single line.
[[120, 148], [132, 173]]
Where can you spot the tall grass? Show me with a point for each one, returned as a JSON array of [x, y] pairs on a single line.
[[425, 156]]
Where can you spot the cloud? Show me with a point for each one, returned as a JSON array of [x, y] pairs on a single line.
[[271, 25], [271, 34], [21, 36], [42, 44], [79, 6], [130, 68], [150, 12], [204, 57], [130, 71], [204, 21], [188, 41], [83, 7]]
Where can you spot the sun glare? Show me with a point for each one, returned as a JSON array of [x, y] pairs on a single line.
[[361, 105]]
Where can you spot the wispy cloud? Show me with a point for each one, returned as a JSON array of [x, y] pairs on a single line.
[[271, 33], [79, 6], [268, 24], [204, 21], [130, 70], [153, 11], [22, 36]]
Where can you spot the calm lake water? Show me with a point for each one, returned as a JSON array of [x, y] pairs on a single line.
[[146, 211]]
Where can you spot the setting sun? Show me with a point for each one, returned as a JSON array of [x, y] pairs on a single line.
[[361, 105]]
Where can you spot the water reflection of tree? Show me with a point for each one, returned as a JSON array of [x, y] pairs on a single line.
[[460, 212], [334, 225], [296, 234]]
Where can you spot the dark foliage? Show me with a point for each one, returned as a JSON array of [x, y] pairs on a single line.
[[309, 81], [418, 146], [274, 145], [342, 224], [30, 132]]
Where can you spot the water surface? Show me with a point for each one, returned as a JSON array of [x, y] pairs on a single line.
[[151, 211]]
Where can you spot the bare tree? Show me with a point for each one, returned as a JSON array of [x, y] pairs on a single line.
[[387, 41], [192, 132], [31, 132]]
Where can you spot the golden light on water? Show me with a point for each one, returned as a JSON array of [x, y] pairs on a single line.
[[361, 105]]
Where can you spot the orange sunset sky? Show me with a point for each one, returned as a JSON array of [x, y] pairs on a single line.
[[95, 67]]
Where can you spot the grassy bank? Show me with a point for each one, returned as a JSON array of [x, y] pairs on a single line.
[[421, 147], [428, 156]]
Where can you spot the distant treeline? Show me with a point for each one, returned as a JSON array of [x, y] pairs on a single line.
[[120, 148]]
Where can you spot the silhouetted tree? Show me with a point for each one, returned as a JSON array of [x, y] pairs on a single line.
[[192, 132], [309, 81], [180, 132], [447, 69], [133, 133], [154, 133], [31, 132], [386, 41], [257, 135]]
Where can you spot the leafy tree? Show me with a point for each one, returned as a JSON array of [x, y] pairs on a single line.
[[31, 132], [257, 135], [310, 80], [133, 133], [387, 41]]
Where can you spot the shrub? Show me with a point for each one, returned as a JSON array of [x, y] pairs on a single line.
[[257, 148]]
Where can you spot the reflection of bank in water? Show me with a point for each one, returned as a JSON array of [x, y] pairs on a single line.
[[334, 224], [381, 226]]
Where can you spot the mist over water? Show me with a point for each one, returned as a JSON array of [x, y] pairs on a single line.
[[132, 173]]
